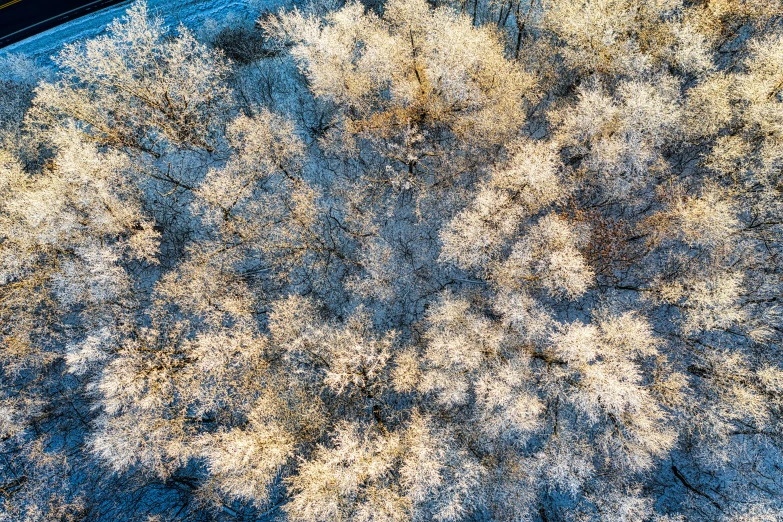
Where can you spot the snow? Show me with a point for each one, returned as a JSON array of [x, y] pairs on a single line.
[[191, 13]]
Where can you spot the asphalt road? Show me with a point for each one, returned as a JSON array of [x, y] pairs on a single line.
[[22, 18]]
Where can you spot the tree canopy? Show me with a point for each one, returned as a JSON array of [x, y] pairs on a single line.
[[397, 261]]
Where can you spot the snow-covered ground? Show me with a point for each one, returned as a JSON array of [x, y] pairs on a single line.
[[192, 13]]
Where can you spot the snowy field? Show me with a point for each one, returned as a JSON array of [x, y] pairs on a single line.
[[191, 13]]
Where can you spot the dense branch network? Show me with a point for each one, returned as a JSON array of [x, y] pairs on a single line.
[[396, 262]]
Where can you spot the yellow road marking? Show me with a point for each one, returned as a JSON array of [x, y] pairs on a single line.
[[12, 2]]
